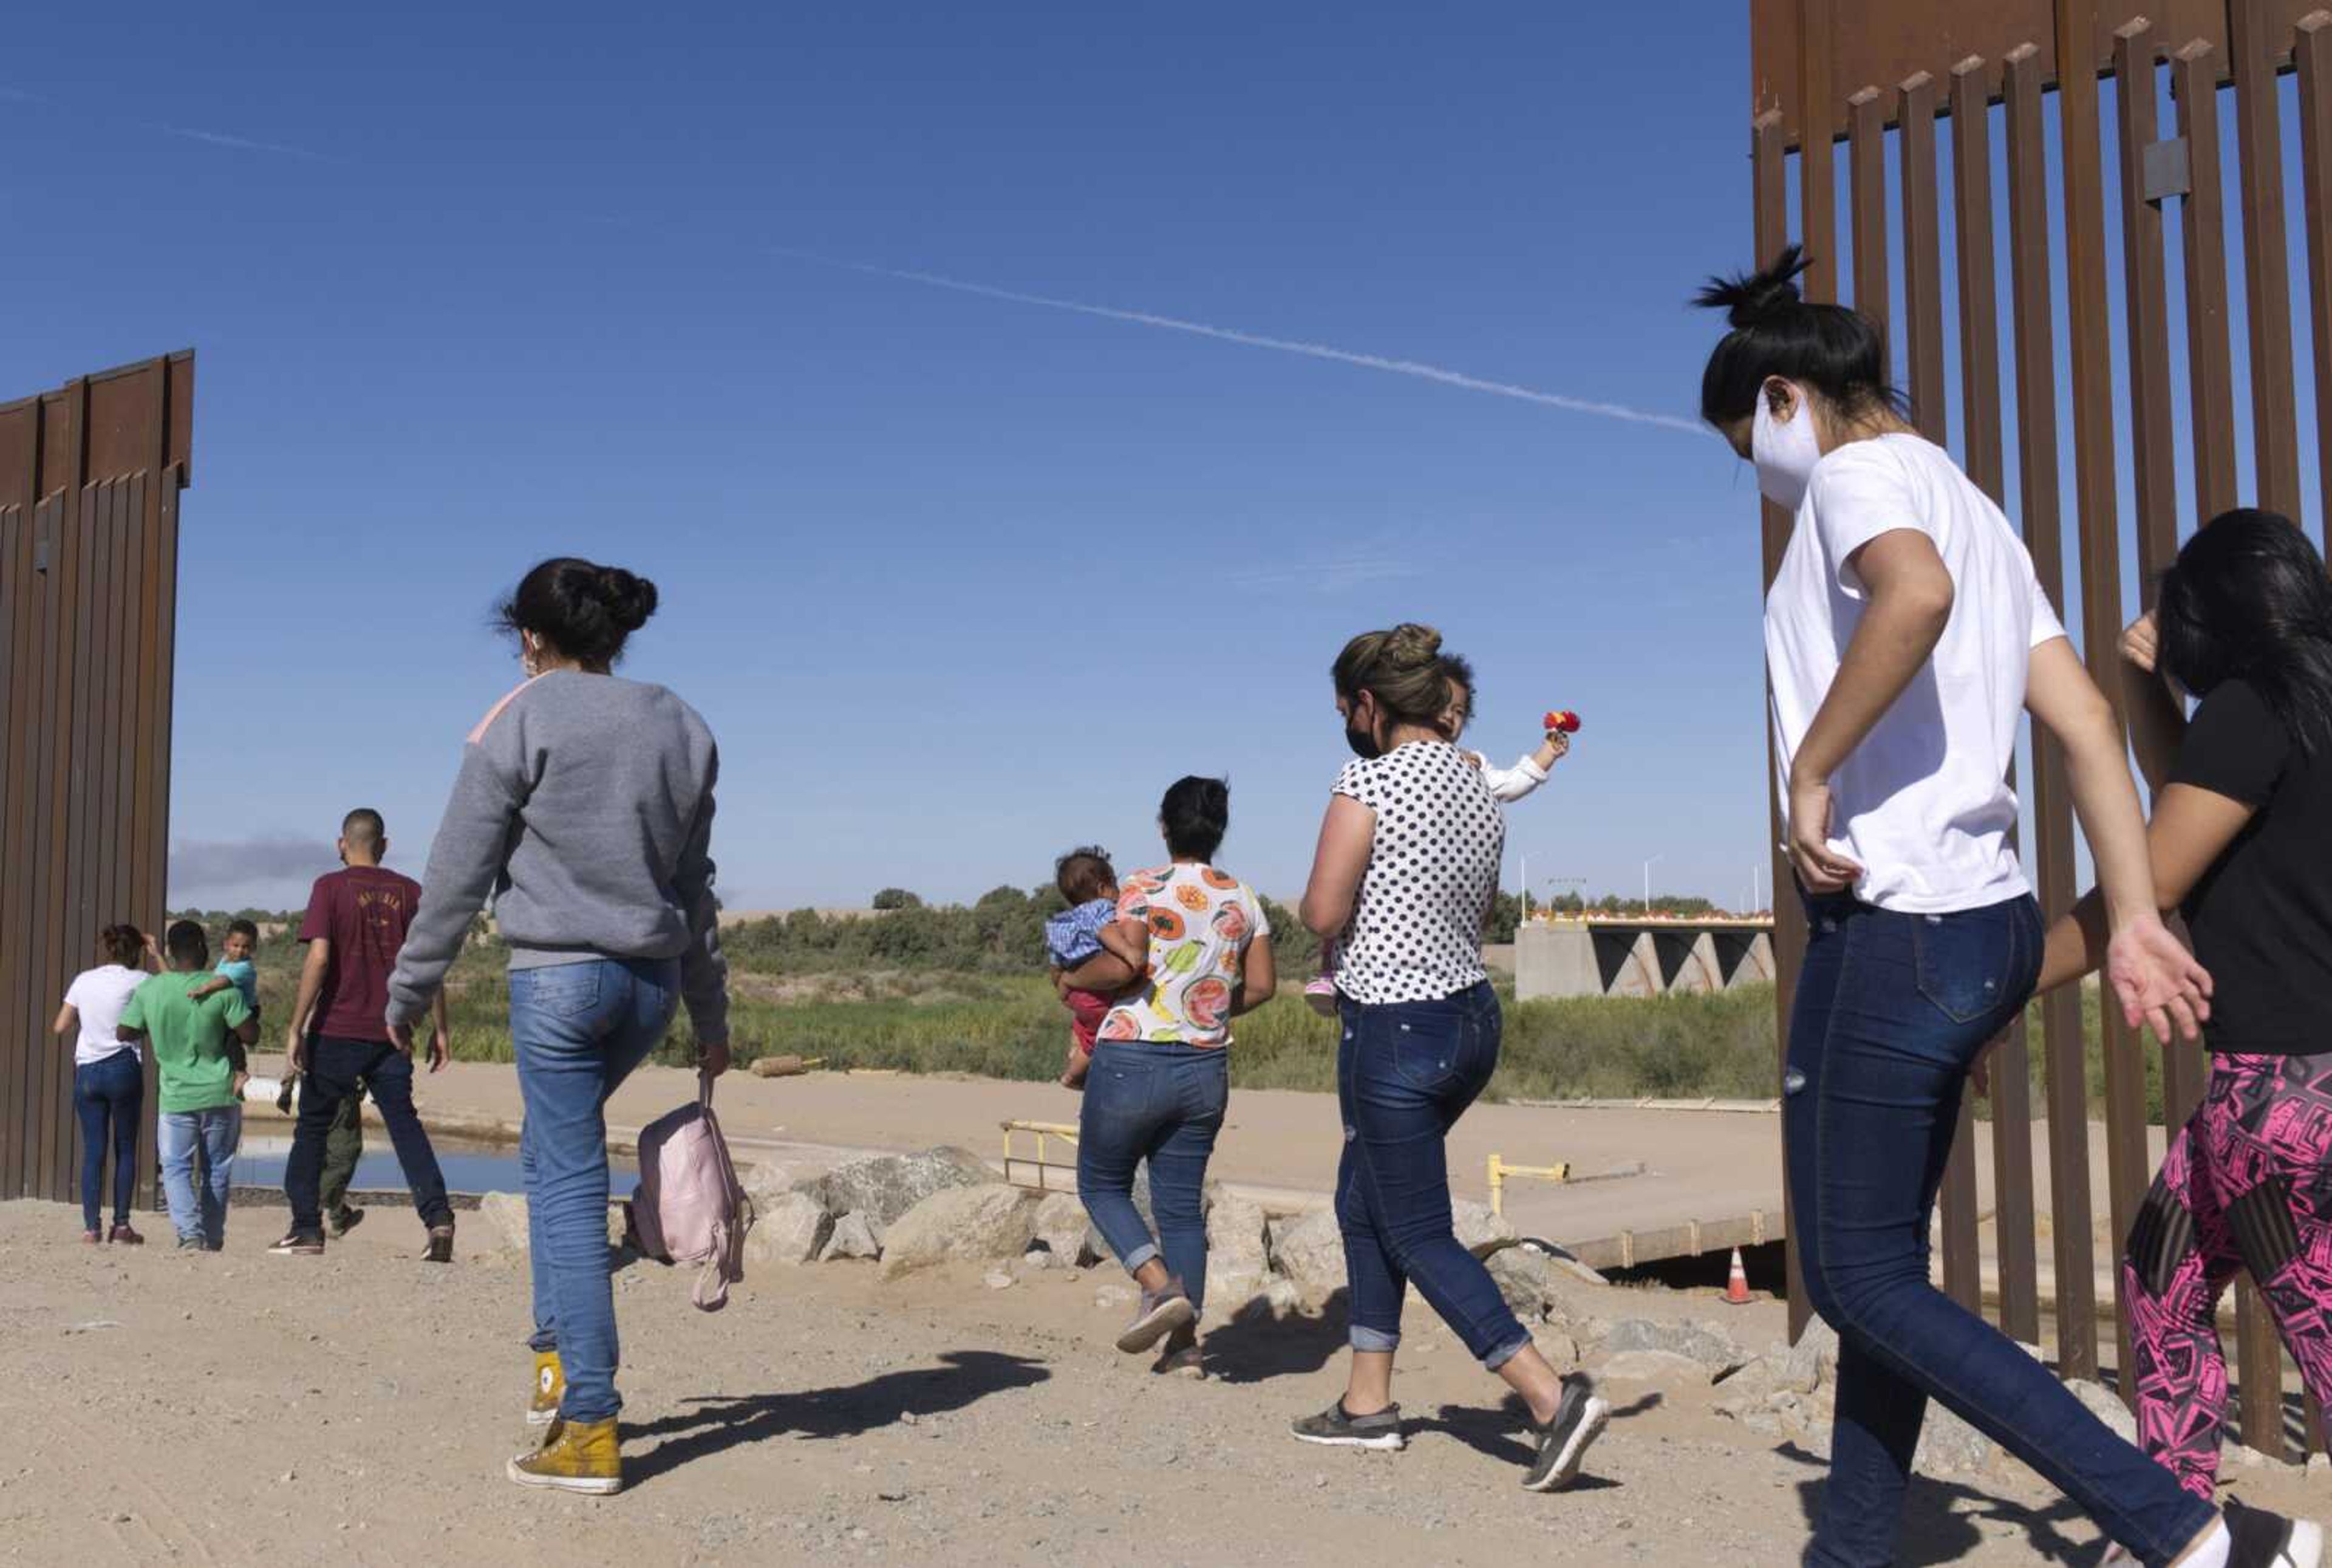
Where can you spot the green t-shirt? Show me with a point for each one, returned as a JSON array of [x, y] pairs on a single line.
[[190, 1038]]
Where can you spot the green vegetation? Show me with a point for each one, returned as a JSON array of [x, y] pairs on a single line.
[[959, 989]]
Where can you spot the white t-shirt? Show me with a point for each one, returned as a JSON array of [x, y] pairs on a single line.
[[1415, 930], [1923, 804], [98, 994]]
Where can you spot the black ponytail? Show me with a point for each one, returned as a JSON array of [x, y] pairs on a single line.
[[1831, 349]]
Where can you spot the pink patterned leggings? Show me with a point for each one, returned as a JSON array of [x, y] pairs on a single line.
[[2246, 1184]]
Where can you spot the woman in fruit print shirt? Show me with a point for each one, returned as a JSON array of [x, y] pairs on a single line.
[[1160, 1077]]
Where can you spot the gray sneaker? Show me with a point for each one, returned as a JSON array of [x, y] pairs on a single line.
[[1180, 1357], [1160, 1313], [1579, 1419], [2265, 1540], [1335, 1430]]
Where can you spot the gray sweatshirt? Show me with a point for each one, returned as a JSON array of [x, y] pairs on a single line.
[[584, 808]]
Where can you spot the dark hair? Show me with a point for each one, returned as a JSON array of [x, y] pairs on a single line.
[[1831, 349], [244, 928], [1405, 667], [1083, 874], [583, 609], [186, 943], [1196, 814], [1459, 671], [2248, 599], [122, 943], [365, 826]]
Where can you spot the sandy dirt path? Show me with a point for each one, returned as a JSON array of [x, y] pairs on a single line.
[[236, 1408]]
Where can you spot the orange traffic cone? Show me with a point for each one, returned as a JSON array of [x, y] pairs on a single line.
[[1736, 1285]]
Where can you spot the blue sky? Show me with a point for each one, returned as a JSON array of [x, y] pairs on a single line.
[[959, 578]]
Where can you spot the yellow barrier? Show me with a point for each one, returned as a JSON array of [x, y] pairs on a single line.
[[1042, 1131], [1500, 1171]]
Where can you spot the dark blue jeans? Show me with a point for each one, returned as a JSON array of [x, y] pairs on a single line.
[[1890, 1011], [1163, 1101], [578, 1029], [1405, 1073], [342, 1069], [108, 1094]]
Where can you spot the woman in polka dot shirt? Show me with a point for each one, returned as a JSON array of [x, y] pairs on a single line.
[[1402, 883]]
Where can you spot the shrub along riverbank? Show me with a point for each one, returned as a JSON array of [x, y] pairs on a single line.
[[955, 993]]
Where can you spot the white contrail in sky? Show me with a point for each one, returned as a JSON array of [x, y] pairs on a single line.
[[188, 133], [1422, 371]]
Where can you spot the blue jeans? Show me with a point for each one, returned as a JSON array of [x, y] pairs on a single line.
[[1890, 1011], [108, 1094], [1405, 1073], [340, 1070], [578, 1030], [1163, 1101], [198, 1212]]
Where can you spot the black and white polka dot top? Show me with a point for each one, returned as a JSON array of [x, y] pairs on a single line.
[[1415, 930]]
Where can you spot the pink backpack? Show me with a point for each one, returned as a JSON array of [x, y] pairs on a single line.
[[690, 1207]]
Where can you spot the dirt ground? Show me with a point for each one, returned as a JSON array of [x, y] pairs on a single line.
[[237, 1408]]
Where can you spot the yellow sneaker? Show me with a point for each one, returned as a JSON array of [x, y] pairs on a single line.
[[549, 1384], [577, 1457]]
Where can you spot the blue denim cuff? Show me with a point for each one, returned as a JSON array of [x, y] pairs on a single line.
[[1140, 1255], [1374, 1339], [1505, 1354]]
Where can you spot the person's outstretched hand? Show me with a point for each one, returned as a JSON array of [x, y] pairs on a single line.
[[2157, 982]]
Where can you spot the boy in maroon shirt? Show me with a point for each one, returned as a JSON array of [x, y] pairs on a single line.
[[338, 1041]]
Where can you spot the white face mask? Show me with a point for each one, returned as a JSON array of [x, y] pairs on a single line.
[[1784, 453]]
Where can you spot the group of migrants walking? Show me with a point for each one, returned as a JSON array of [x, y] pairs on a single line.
[[1906, 633]]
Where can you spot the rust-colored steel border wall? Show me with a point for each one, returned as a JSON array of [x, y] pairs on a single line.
[[1878, 78], [90, 476]]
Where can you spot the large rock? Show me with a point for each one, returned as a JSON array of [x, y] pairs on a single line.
[[1238, 1254], [990, 1224], [790, 1229], [1948, 1446], [1711, 1348], [1659, 1368], [766, 1182], [883, 1187], [1525, 1279], [1813, 1360], [1310, 1251], [504, 1214], [1060, 1224], [852, 1238], [1480, 1231], [2107, 1406]]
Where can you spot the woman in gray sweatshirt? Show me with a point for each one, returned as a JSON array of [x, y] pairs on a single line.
[[584, 809]]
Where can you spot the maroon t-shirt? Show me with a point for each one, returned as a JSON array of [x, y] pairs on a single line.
[[364, 912]]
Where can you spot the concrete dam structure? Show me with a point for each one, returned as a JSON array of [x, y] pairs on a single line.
[[1639, 958]]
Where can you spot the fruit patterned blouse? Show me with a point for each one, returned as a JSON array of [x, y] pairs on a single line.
[[1200, 922]]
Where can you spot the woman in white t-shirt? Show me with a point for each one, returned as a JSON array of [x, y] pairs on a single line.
[[1402, 883], [108, 1077], [1904, 633]]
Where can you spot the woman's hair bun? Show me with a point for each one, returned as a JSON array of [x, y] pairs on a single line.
[[1753, 299], [631, 600], [1410, 642]]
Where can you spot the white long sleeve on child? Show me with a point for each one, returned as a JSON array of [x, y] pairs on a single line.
[[1510, 784]]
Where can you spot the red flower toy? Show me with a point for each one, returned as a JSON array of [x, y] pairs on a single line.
[[1561, 721]]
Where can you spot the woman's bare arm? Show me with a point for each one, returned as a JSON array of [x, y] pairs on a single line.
[[1347, 837], [1258, 976]]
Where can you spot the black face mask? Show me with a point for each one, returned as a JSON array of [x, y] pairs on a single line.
[[1364, 744]]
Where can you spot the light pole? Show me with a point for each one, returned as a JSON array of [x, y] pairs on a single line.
[[1655, 860]]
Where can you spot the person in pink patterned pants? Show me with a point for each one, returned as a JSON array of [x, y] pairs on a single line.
[[2241, 844]]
